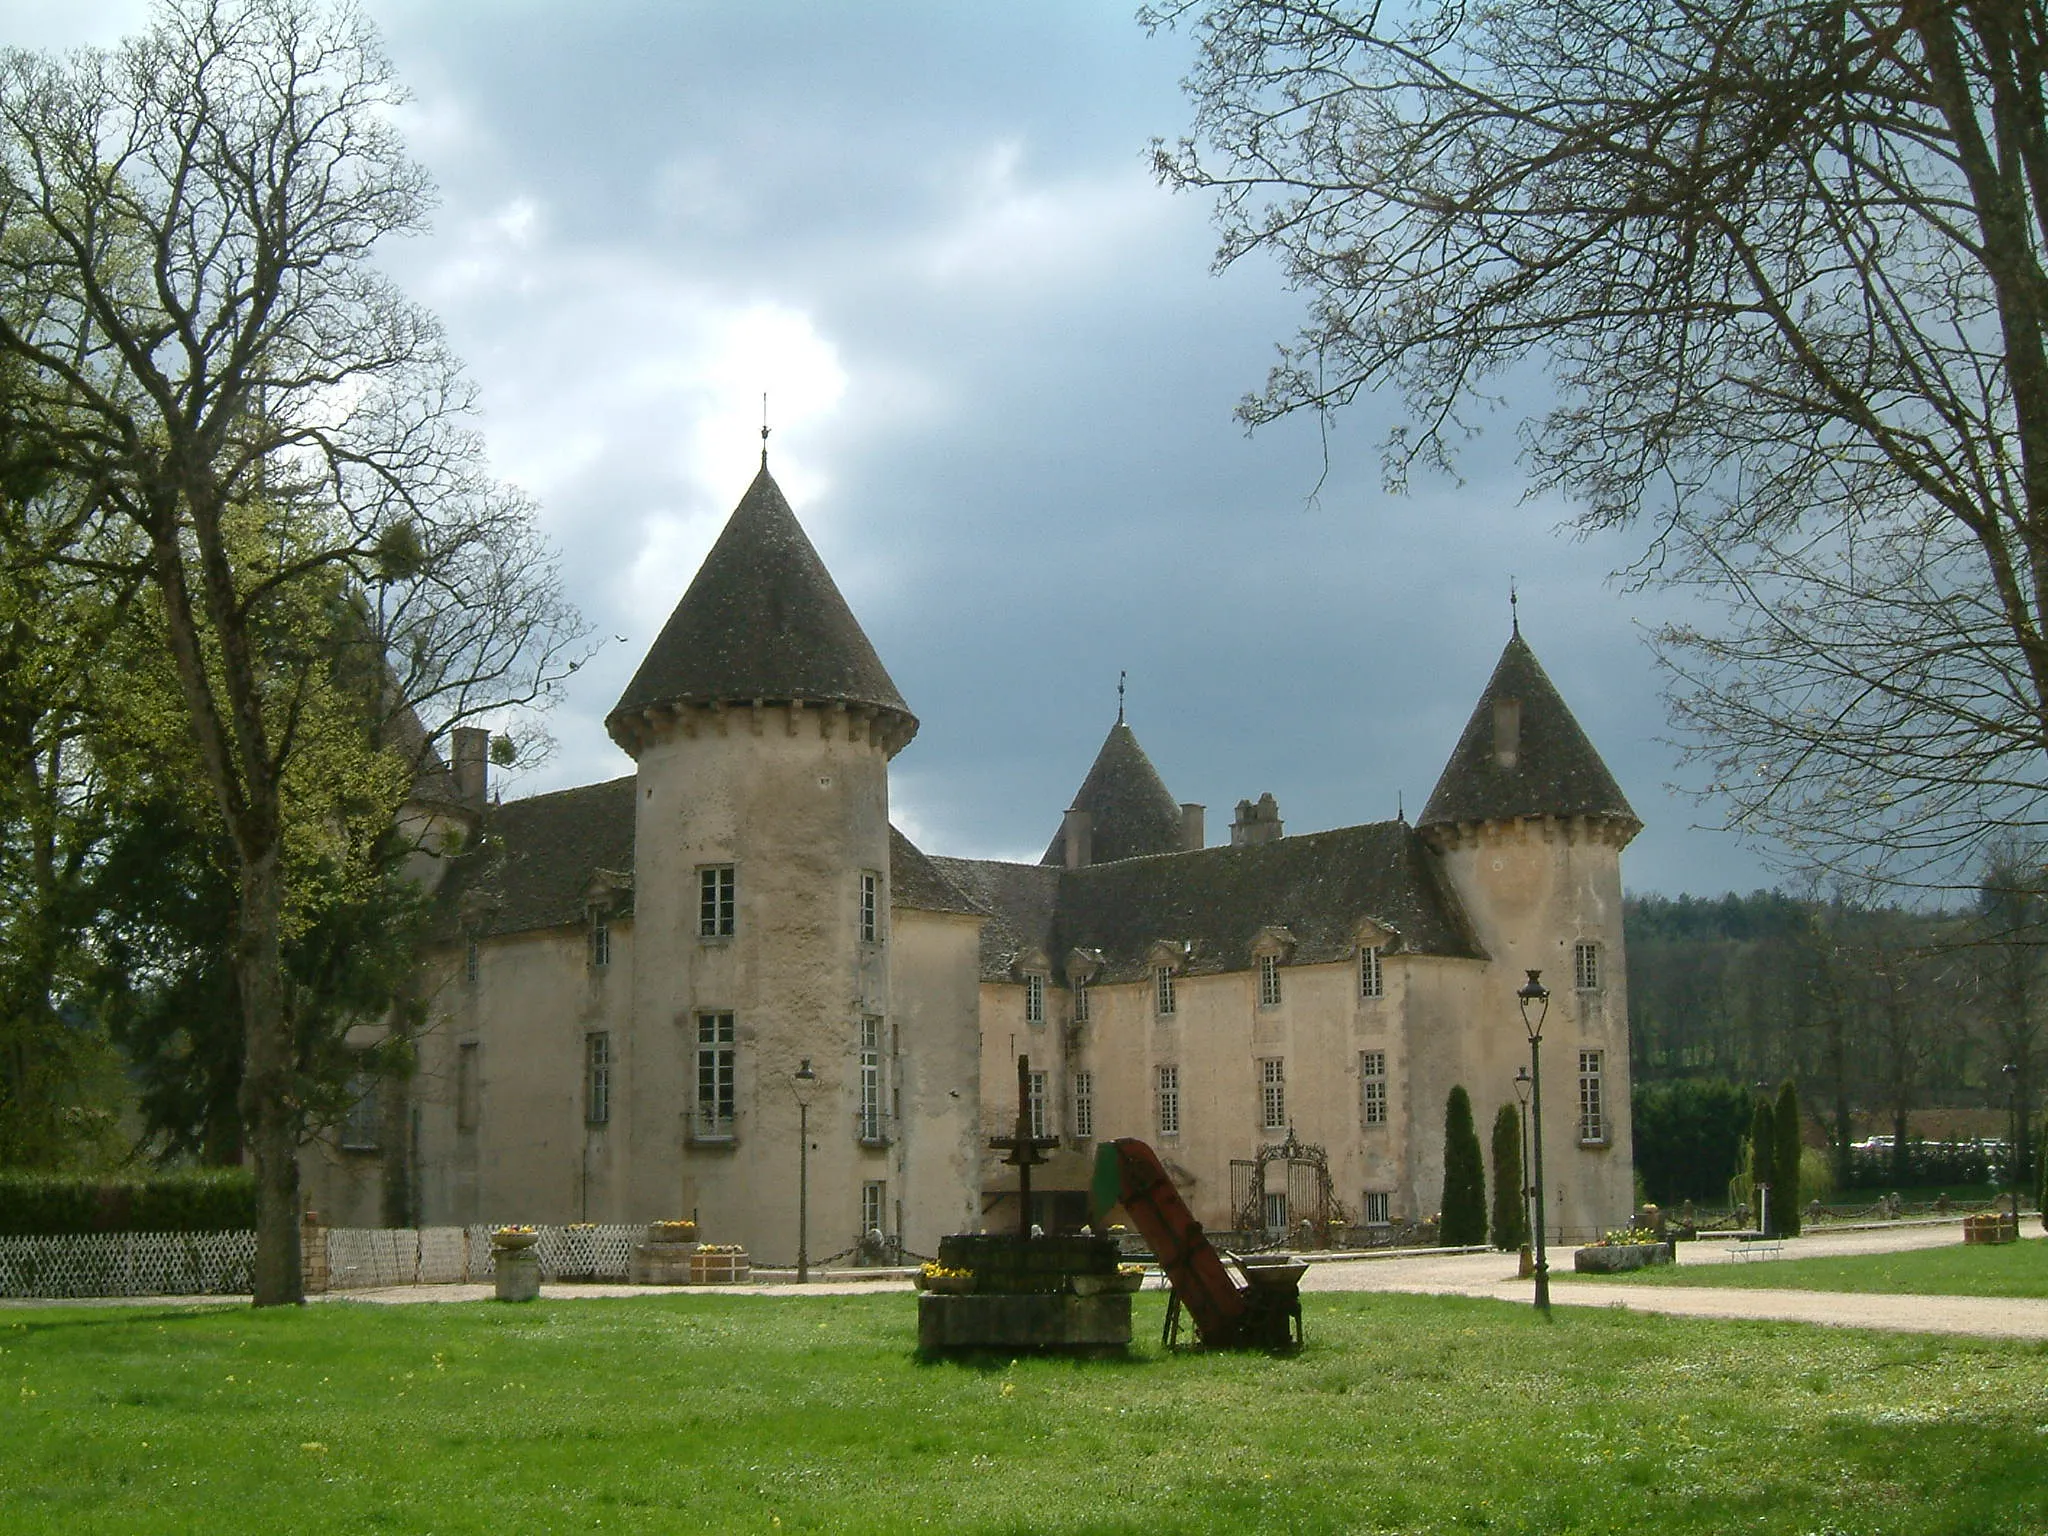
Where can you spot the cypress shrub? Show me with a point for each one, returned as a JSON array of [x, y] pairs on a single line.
[[1463, 1221], [1510, 1207], [1786, 1194], [1763, 1160], [188, 1200]]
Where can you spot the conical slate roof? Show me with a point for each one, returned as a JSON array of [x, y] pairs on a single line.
[[762, 620], [1133, 811], [1550, 768]]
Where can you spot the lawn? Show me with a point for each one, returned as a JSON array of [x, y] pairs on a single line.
[[756, 1414], [2007, 1269]]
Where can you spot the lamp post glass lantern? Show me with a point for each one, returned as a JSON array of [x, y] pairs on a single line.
[[803, 1085], [1534, 999]]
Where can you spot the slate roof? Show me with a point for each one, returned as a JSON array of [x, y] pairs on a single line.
[[1319, 887], [763, 619], [915, 881], [1557, 771], [1134, 812], [533, 859]]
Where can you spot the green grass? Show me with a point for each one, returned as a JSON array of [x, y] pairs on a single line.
[[1404, 1414], [2007, 1269]]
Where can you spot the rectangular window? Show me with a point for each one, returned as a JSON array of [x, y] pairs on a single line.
[[1378, 1208], [468, 1085], [1269, 981], [1034, 999], [1169, 1101], [715, 887], [600, 943], [872, 1124], [1369, 981], [1163, 983], [1372, 1081], [1084, 1105], [597, 1077], [472, 963], [1273, 1094], [874, 1207], [1080, 1005], [1586, 966], [1592, 1121], [870, 902], [1037, 1101], [716, 1061], [361, 1126]]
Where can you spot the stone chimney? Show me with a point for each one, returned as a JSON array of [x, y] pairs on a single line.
[[1507, 732], [472, 765], [1078, 834], [1192, 825], [1256, 822]]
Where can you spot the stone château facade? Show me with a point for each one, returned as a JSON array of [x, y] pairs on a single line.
[[631, 975]]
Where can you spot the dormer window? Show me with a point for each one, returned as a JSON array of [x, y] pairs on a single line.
[[1269, 981], [1371, 983], [1162, 990], [600, 942], [1034, 999]]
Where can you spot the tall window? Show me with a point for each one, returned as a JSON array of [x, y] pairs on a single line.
[[716, 1060], [360, 1127], [468, 1085], [1084, 1104], [1080, 1005], [874, 1206], [1162, 977], [1169, 1101], [1369, 980], [872, 1119], [472, 963], [1592, 1119], [1034, 999], [870, 901], [715, 887], [1269, 981], [597, 1077], [600, 942], [1586, 966], [1372, 1082], [1379, 1208], [1273, 1094], [1036, 1098]]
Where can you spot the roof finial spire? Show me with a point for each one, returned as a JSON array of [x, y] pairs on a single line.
[[764, 429], [1514, 612], [1120, 676], [1400, 808]]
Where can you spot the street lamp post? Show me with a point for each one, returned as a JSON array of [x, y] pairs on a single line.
[[1522, 1083], [2012, 1147], [803, 1084], [1535, 1003]]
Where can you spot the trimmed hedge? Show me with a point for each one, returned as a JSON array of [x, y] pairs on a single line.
[[60, 1204]]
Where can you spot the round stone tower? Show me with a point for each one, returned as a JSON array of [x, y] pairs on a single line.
[[1530, 826], [762, 724]]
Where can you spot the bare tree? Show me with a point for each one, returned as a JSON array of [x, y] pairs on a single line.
[[186, 223], [1781, 261]]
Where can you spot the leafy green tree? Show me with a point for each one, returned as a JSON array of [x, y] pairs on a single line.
[[202, 336], [1463, 1219], [1763, 1164], [1786, 1149], [1688, 1138], [1510, 1198]]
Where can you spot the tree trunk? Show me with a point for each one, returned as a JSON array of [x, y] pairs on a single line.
[[268, 1089]]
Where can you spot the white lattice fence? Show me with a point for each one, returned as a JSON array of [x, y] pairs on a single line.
[[128, 1264], [361, 1257]]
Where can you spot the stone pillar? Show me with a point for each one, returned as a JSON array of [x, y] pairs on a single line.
[[313, 1267]]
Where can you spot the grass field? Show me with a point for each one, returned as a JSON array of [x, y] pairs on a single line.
[[2008, 1269], [727, 1414]]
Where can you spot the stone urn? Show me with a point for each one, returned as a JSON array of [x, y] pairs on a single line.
[[513, 1239]]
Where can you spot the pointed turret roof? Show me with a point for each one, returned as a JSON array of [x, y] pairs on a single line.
[[762, 620], [1523, 754], [1133, 812]]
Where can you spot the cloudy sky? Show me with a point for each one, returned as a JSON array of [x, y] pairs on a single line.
[[1001, 374]]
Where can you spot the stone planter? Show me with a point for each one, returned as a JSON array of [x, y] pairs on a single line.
[[656, 1263], [947, 1285], [1991, 1227], [719, 1268], [1118, 1284], [672, 1232], [1616, 1258], [513, 1242]]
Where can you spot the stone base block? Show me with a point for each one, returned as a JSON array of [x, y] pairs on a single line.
[[1614, 1258], [660, 1264], [1023, 1322], [518, 1275]]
